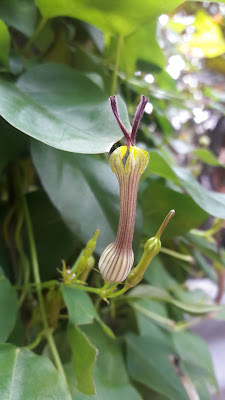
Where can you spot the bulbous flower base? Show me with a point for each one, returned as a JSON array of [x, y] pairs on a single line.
[[115, 263]]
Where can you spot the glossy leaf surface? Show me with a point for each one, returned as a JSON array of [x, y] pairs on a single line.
[[92, 200], [63, 108], [28, 376], [80, 308], [20, 15], [160, 294], [158, 200], [4, 43], [211, 202], [8, 307], [110, 375], [84, 357], [148, 363]]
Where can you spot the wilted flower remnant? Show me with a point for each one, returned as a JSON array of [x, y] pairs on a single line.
[[117, 259]]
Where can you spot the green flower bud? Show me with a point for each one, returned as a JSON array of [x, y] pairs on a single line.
[[151, 249]]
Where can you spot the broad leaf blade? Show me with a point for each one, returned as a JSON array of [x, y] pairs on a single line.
[[85, 192], [195, 362], [63, 108], [8, 307], [12, 143], [24, 375], [207, 157], [211, 202], [110, 375], [157, 200], [194, 352], [80, 308], [112, 17], [54, 240], [148, 363], [159, 294], [4, 43], [84, 356], [21, 15]]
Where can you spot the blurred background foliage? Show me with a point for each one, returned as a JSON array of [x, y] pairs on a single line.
[[59, 62]]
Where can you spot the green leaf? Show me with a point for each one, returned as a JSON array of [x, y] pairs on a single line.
[[24, 375], [207, 157], [120, 17], [159, 294], [157, 200], [194, 352], [8, 308], [141, 45], [157, 275], [148, 363], [12, 143], [195, 361], [96, 35], [84, 356], [17, 336], [211, 202], [204, 266], [152, 311], [210, 250], [159, 166], [137, 25], [4, 43], [21, 14], [84, 190], [54, 240], [110, 375], [45, 38], [91, 65], [149, 327], [5, 261], [80, 308], [63, 108]]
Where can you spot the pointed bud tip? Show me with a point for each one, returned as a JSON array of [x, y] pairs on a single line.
[[96, 233], [165, 223]]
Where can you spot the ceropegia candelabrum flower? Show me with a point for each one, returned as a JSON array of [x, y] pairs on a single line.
[[128, 163]]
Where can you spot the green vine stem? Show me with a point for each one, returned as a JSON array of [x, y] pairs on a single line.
[[116, 65], [35, 265]]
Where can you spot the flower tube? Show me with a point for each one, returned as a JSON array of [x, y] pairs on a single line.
[[117, 259]]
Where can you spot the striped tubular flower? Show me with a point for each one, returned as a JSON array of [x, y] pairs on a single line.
[[128, 163]]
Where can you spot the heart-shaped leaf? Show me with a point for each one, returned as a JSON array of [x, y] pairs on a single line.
[[24, 375], [63, 108]]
